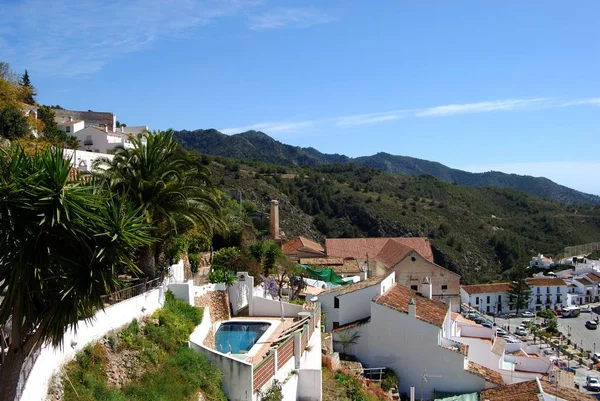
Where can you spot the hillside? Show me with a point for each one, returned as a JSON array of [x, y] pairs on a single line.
[[480, 232], [257, 146]]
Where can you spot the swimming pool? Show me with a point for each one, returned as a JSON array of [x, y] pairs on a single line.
[[239, 337]]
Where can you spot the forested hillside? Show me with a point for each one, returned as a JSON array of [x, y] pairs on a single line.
[[257, 146], [480, 232]]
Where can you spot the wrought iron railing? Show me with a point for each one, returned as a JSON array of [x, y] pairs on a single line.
[[130, 292]]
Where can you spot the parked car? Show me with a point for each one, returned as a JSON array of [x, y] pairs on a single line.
[[527, 314], [548, 351], [479, 319], [596, 355], [521, 331], [592, 383], [591, 324], [489, 325], [501, 332], [569, 369]]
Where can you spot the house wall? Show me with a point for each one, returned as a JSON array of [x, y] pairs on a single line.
[[271, 308], [556, 294], [238, 375], [82, 160], [110, 318], [410, 346], [480, 352], [352, 306], [183, 291], [412, 270], [240, 294]]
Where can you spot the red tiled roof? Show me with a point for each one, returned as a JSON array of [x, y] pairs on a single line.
[[350, 325], [301, 242], [593, 277], [546, 281], [360, 248], [484, 288], [393, 252], [428, 310], [321, 261], [583, 281], [529, 390], [488, 374]]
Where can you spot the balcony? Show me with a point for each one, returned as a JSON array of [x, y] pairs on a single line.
[[88, 142]]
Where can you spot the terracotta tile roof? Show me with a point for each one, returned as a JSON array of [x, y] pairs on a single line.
[[350, 325], [484, 288], [360, 248], [592, 277], [294, 244], [349, 266], [321, 261], [356, 286], [583, 281], [529, 390], [488, 374], [428, 310], [393, 252], [546, 281]]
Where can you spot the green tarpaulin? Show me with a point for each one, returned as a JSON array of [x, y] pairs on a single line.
[[327, 275]]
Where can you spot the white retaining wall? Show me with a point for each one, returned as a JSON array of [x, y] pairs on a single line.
[[239, 374], [269, 308], [111, 318], [183, 291]]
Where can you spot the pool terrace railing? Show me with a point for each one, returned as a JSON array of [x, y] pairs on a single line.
[[130, 292]]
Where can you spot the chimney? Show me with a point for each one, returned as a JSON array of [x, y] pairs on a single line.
[[274, 220], [426, 289], [106, 128], [122, 129], [412, 308], [70, 118]]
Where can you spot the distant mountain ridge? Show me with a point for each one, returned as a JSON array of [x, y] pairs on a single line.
[[258, 146]]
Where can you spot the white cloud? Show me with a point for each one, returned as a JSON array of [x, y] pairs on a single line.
[[479, 107], [371, 118], [594, 101], [580, 175], [288, 17], [269, 127]]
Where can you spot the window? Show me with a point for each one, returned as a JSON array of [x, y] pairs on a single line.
[[68, 129], [336, 325], [413, 259], [558, 290], [444, 287], [476, 300], [414, 287], [499, 299], [488, 299], [547, 290], [539, 290], [336, 303]]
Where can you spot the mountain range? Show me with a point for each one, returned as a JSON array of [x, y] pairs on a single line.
[[258, 146]]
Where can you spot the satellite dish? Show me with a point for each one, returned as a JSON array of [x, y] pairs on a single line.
[[314, 298]]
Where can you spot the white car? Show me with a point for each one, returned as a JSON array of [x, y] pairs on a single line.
[[501, 332], [527, 314], [592, 383], [520, 331]]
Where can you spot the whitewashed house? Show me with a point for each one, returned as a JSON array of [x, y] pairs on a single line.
[[410, 334], [546, 293], [540, 261], [101, 140], [68, 125]]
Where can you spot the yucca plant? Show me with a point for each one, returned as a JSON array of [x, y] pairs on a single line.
[[61, 244]]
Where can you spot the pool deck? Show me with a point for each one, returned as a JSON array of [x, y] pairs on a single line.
[[264, 349]]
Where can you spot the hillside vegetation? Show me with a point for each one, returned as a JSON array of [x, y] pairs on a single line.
[[482, 233], [257, 146], [146, 361]]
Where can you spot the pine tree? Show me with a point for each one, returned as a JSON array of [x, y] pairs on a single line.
[[519, 292], [30, 94]]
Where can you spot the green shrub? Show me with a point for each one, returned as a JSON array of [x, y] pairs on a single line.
[[389, 380], [194, 259]]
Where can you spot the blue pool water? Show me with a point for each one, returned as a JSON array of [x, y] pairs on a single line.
[[239, 337]]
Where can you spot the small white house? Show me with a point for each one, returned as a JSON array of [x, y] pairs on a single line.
[[94, 139], [69, 125], [82, 160], [350, 303], [540, 261]]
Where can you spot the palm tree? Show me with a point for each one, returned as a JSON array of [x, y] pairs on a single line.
[[61, 243], [170, 186]]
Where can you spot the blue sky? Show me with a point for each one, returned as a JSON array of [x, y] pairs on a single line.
[[507, 86]]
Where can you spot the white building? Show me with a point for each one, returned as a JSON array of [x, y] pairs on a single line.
[[408, 333], [546, 293], [82, 160], [94, 139], [69, 125], [540, 261]]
